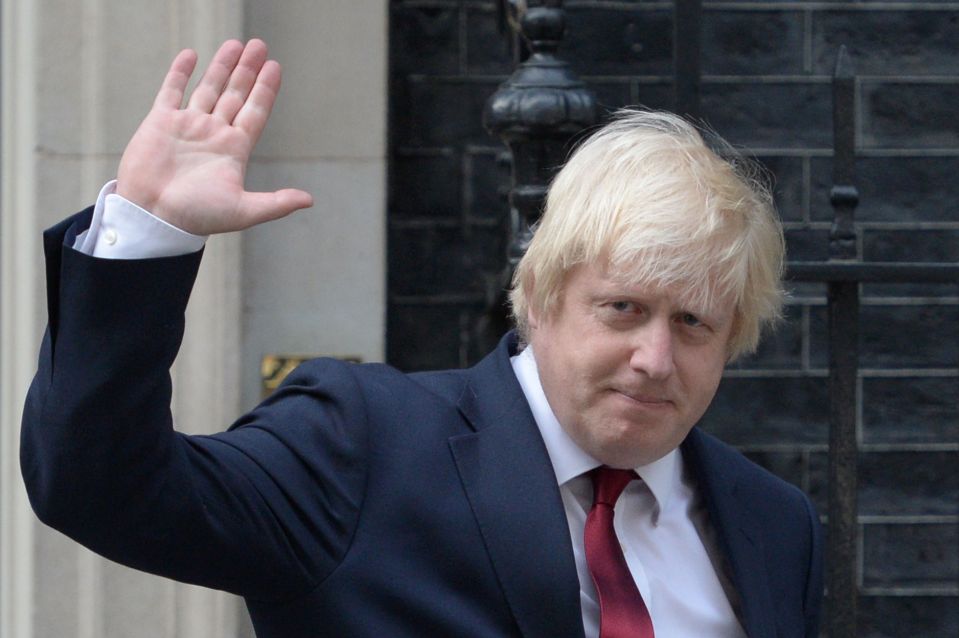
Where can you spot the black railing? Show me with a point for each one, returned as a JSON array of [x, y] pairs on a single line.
[[843, 273]]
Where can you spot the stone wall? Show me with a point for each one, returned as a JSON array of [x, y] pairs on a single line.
[[766, 88]]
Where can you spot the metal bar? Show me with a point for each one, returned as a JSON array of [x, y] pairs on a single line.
[[841, 550], [687, 45], [884, 272]]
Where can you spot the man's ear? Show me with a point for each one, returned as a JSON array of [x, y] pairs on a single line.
[[532, 316]]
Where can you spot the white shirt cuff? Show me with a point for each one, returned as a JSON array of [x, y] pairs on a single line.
[[122, 230]]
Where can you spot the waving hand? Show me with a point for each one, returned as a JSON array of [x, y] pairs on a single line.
[[186, 164]]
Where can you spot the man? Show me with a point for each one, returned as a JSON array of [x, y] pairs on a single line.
[[499, 500]]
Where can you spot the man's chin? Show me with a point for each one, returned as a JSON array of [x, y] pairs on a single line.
[[630, 454]]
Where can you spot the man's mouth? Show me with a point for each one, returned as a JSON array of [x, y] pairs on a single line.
[[646, 398]]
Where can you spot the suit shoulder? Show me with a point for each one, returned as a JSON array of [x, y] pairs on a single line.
[[377, 380], [448, 384], [741, 470]]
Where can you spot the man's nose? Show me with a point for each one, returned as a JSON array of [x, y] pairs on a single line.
[[654, 350]]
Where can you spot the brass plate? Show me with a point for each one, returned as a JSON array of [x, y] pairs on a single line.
[[274, 368]]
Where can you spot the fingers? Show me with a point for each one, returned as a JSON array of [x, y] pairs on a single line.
[[174, 84], [241, 81], [239, 85], [216, 76], [256, 109], [256, 208]]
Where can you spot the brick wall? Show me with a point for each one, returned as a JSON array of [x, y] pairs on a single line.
[[766, 88]]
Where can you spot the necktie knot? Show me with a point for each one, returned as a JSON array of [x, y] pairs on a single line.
[[609, 483]]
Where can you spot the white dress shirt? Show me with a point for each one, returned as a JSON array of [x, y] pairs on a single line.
[[658, 522], [661, 525]]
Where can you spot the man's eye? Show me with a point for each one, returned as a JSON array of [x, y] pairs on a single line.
[[691, 320], [622, 306]]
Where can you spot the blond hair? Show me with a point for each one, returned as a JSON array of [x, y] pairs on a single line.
[[647, 198]]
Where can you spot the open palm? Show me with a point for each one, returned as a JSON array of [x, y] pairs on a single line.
[[187, 165]]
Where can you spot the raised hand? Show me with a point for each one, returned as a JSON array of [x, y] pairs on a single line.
[[187, 165]]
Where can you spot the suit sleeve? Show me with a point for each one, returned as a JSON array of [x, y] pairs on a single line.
[[266, 510]]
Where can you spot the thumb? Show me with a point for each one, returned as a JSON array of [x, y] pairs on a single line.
[[256, 208]]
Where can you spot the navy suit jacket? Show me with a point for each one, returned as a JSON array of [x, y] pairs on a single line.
[[356, 500]]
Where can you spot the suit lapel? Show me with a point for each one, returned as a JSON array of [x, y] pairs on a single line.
[[739, 534], [511, 487]]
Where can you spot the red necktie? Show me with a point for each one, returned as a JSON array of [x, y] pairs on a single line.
[[622, 612]]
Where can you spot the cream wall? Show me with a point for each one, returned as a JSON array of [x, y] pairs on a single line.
[[77, 76], [328, 136]]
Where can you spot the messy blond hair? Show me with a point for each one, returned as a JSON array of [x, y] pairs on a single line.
[[647, 198]]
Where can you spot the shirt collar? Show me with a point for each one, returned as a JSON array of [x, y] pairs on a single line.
[[663, 476]]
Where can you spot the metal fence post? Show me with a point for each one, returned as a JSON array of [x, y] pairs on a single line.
[[843, 365]]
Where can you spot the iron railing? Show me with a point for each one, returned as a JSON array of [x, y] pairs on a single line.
[[843, 273]]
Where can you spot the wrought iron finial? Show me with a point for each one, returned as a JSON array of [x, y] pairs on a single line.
[[535, 112], [844, 195]]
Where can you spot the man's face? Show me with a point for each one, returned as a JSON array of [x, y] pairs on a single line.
[[627, 371]]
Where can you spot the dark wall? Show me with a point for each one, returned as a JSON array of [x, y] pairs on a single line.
[[766, 88]]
